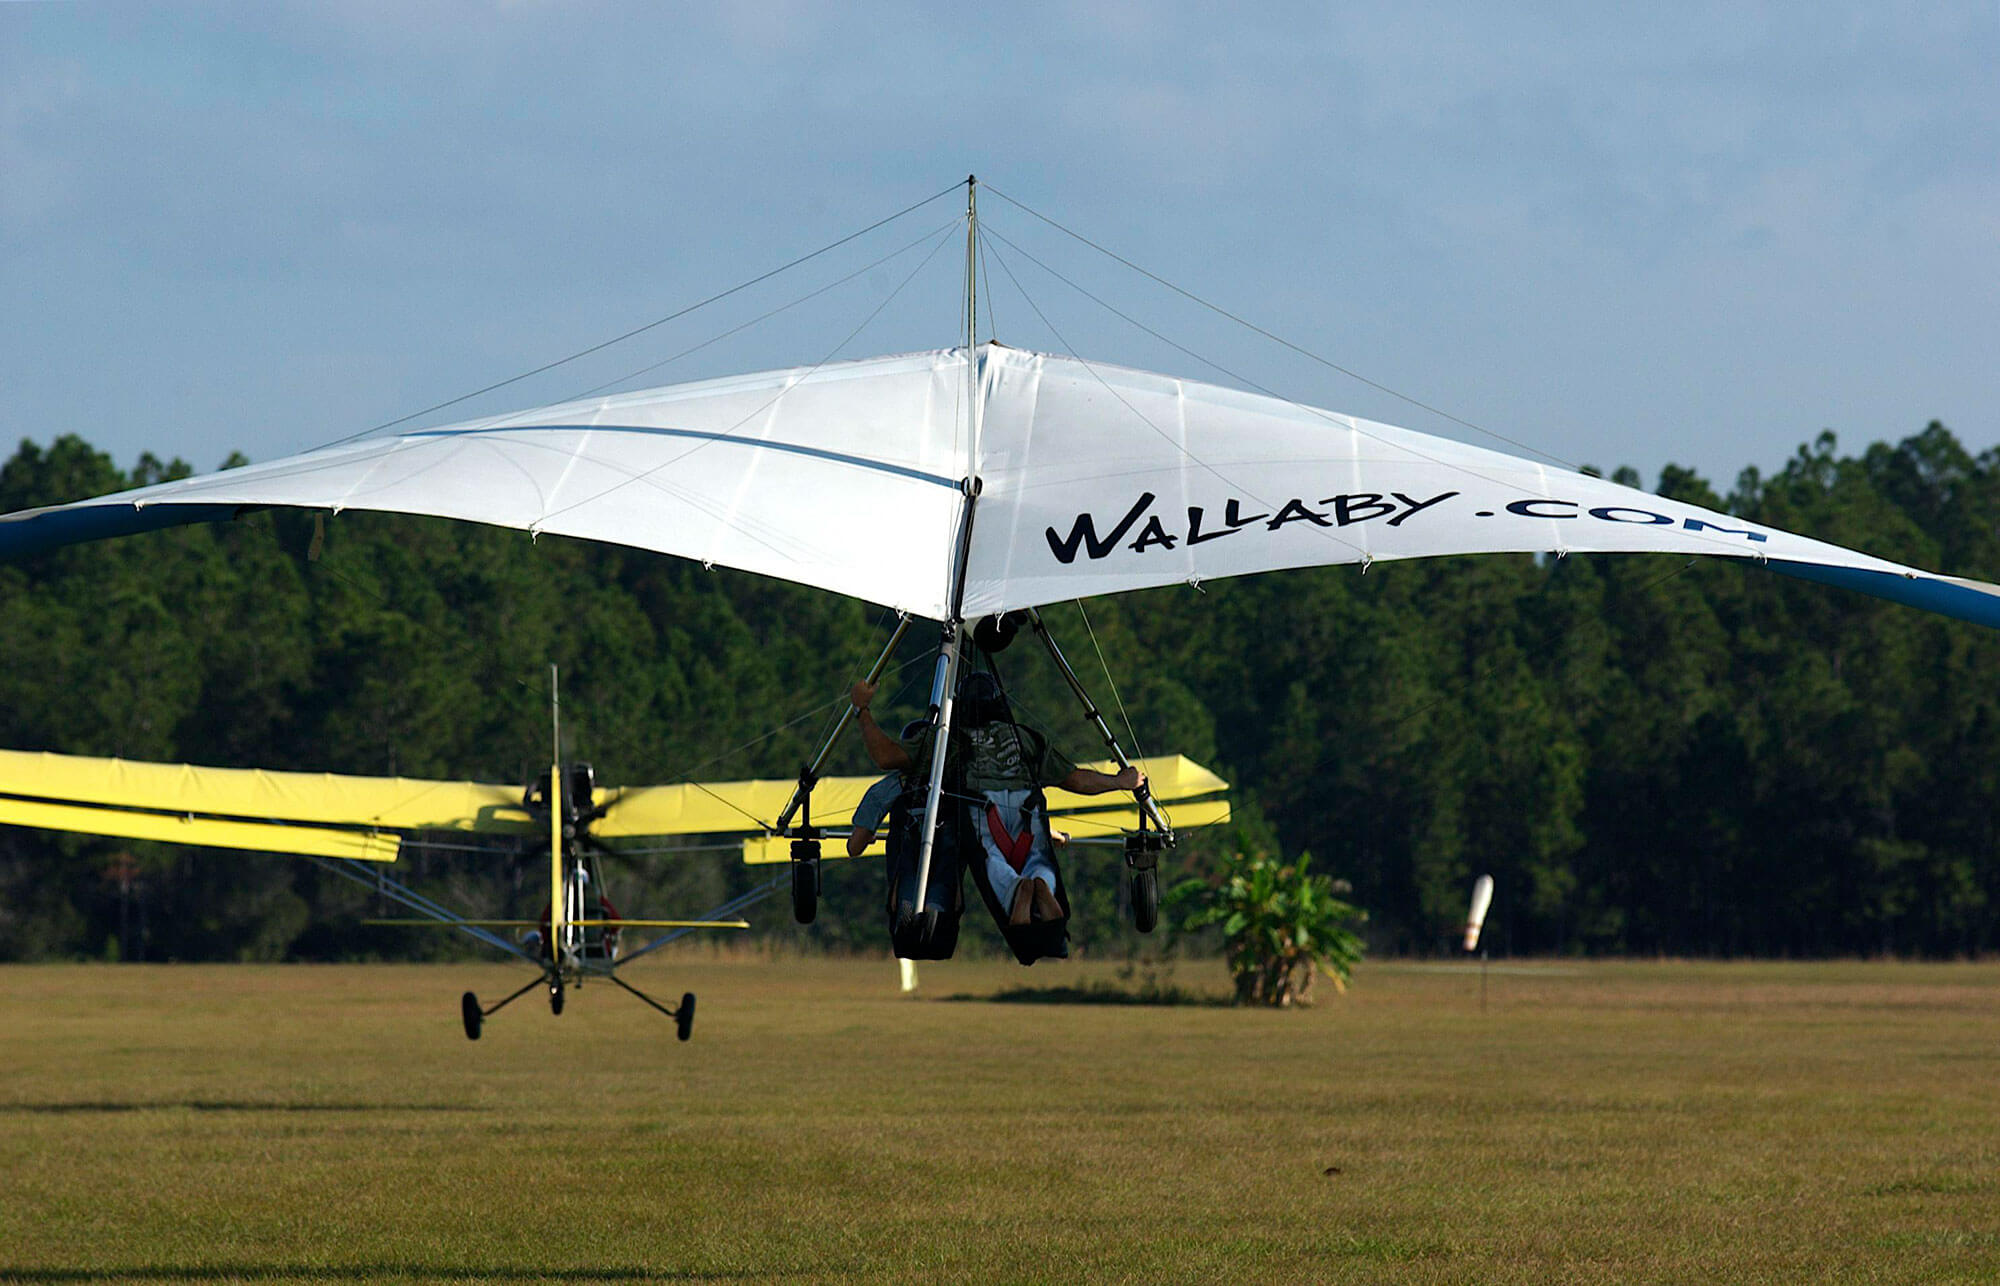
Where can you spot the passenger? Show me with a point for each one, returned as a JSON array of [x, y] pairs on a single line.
[[1005, 765], [881, 797]]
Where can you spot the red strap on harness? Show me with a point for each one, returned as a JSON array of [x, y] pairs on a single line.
[[1015, 848]]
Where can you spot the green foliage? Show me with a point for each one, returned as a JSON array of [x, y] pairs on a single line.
[[1280, 924]]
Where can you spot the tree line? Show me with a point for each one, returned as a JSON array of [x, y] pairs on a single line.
[[1649, 754]]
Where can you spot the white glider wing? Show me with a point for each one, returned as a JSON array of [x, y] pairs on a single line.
[[844, 476], [1092, 479], [1098, 479]]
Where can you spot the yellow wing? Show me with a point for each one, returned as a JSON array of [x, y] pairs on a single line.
[[391, 803], [343, 816], [202, 832], [323, 814], [715, 808]]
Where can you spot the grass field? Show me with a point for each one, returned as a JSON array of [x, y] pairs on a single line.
[[1605, 1122]]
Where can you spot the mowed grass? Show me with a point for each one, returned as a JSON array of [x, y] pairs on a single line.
[[1597, 1122]]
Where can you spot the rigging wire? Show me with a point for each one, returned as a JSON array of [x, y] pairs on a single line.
[[986, 275], [1104, 665], [736, 330], [1280, 340], [651, 325], [1146, 420], [1347, 423], [1126, 317], [460, 646], [729, 433]]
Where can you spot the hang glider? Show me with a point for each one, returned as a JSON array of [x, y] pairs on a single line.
[[967, 481]]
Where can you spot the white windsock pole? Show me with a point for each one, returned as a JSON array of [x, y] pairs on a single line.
[[1482, 897]]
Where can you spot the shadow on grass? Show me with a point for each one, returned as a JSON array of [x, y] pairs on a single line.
[[220, 1105], [1099, 994], [356, 1273]]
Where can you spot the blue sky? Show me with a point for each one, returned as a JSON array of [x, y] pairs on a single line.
[[1697, 233]]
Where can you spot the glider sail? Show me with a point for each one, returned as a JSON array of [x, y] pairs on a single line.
[[1091, 479]]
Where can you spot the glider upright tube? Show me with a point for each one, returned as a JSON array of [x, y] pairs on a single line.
[[947, 684], [811, 774]]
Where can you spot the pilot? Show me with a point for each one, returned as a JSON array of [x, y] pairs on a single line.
[[881, 797], [1005, 764]]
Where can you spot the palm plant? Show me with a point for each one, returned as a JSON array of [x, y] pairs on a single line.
[[1280, 923]]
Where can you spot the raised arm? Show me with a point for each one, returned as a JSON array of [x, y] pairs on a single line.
[[885, 750], [1088, 781]]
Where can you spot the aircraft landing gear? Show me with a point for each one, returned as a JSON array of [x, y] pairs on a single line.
[[1145, 900], [1142, 857], [805, 881], [474, 1017], [555, 993], [683, 1015]]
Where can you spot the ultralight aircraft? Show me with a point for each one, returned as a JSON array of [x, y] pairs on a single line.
[[562, 821]]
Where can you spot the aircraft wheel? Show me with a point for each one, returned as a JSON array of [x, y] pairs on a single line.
[[805, 891], [1145, 900], [684, 1017], [468, 1009], [555, 995]]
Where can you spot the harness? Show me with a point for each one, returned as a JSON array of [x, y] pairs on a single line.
[[1015, 848]]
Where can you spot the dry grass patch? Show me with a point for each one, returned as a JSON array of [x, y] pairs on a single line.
[[1633, 1122]]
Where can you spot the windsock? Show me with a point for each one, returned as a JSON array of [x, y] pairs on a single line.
[[1482, 897]]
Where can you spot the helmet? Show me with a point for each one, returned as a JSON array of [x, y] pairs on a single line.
[[982, 702]]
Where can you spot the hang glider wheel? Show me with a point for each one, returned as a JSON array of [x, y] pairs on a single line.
[[1145, 900], [555, 993], [1142, 859], [475, 1018], [684, 1016], [805, 880]]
